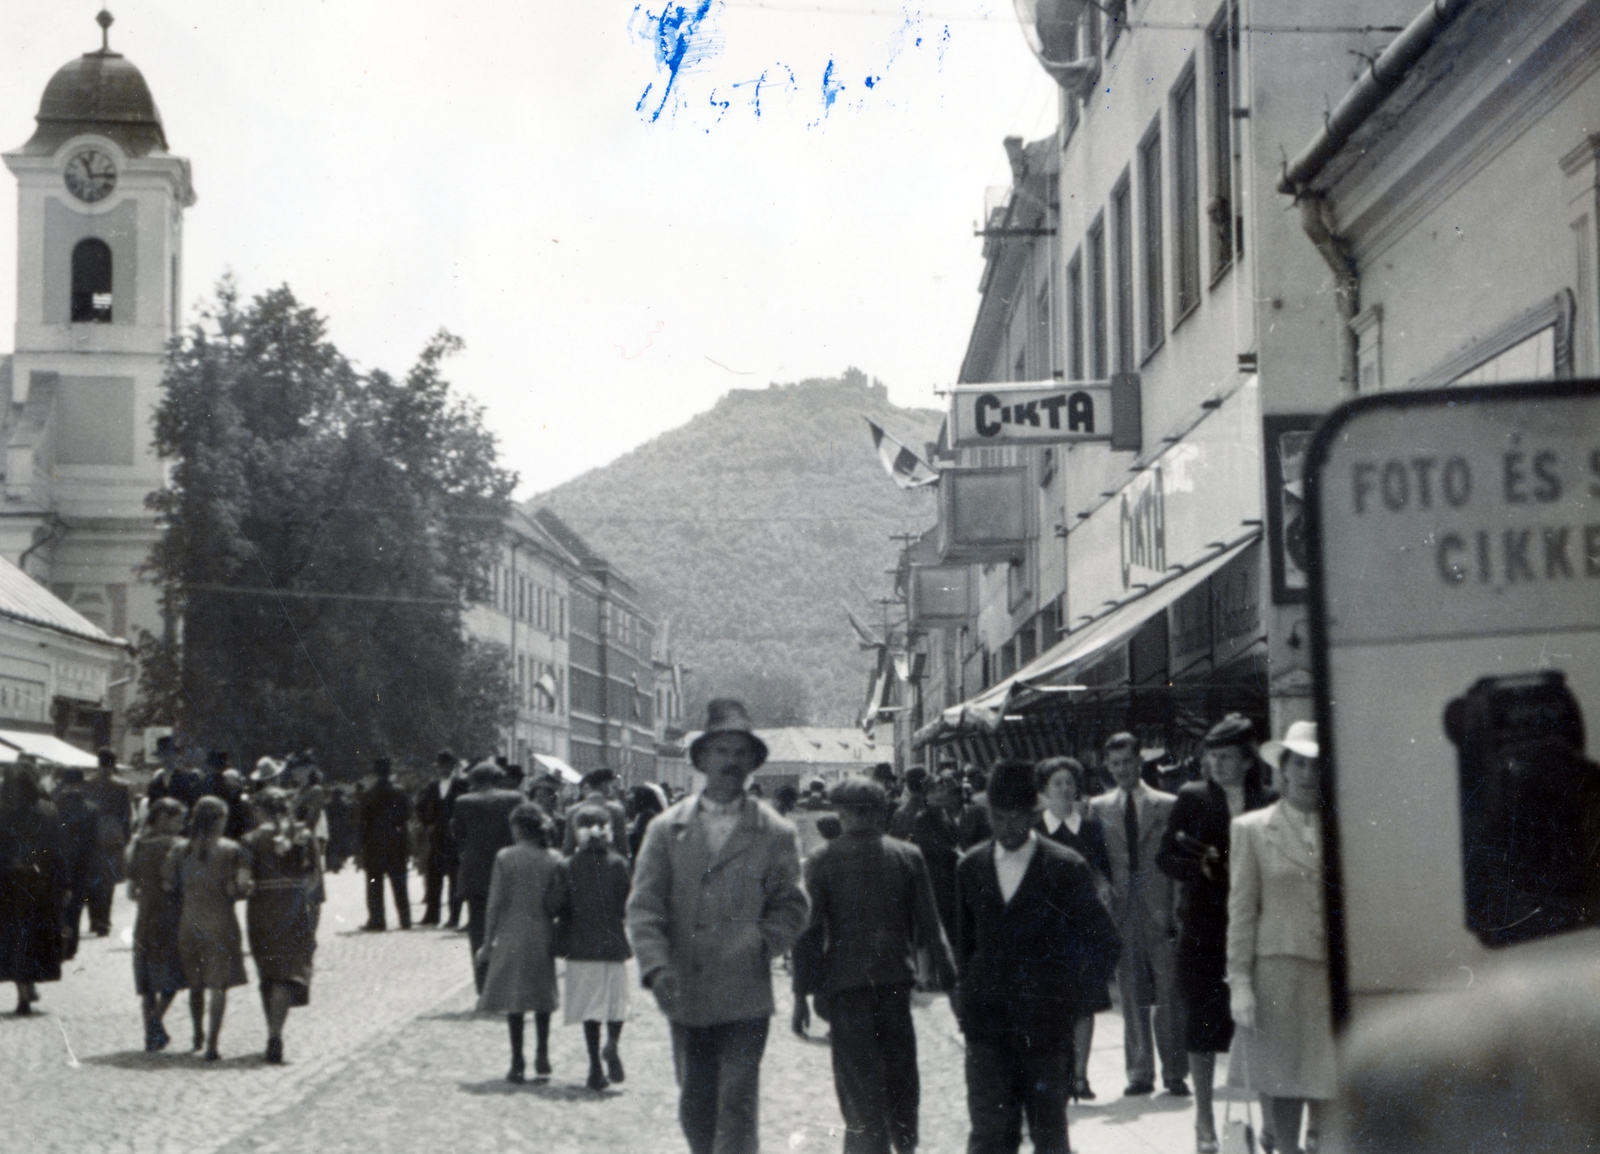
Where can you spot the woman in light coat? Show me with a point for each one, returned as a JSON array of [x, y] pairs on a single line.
[[1277, 945], [519, 943]]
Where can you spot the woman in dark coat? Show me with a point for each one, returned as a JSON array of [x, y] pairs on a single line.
[[1064, 819], [33, 878], [1194, 853], [281, 915]]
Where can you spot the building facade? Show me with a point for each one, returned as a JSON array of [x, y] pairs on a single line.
[[100, 203], [612, 673], [1456, 191], [527, 614], [1149, 589]]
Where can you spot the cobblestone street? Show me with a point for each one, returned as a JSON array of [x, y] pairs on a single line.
[[389, 1056]]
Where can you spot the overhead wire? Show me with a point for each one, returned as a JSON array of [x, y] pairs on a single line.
[[1010, 18]]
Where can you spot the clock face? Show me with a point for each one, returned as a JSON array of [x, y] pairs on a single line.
[[91, 175]]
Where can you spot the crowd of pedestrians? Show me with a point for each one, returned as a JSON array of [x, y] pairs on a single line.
[[1024, 893]]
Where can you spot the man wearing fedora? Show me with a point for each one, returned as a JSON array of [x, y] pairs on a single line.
[[385, 846], [481, 823], [716, 896], [435, 806], [596, 790]]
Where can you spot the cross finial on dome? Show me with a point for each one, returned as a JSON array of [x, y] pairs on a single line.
[[105, 20]]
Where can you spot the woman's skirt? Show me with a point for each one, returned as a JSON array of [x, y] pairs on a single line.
[[596, 992], [1203, 995], [1290, 1052], [283, 939]]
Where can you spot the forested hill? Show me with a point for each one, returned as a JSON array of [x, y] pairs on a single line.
[[751, 527]]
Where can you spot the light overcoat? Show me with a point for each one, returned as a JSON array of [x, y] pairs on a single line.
[[716, 920]]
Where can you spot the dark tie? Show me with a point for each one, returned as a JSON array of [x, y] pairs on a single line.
[[1130, 823]]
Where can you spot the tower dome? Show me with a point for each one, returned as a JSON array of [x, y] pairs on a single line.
[[103, 93]]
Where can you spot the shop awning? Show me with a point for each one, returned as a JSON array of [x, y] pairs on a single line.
[[46, 748], [558, 767], [1052, 670]]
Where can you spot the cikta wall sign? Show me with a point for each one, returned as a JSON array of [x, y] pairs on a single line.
[[1049, 413]]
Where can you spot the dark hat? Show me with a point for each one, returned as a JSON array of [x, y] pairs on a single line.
[[883, 771], [381, 766], [725, 715], [858, 793], [445, 757], [217, 759], [916, 777], [69, 776], [1011, 786], [602, 776], [107, 758], [482, 772], [1234, 729]]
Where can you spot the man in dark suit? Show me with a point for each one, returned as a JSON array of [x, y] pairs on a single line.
[[872, 913], [435, 805], [385, 810], [113, 803], [1032, 940], [915, 800], [80, 838], [481, 824], [1134, 818]]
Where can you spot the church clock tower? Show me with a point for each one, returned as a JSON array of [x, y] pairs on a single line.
[[100, 205]]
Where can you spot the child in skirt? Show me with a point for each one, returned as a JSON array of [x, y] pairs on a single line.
[[157, 969], [589, 897], [518, 953]]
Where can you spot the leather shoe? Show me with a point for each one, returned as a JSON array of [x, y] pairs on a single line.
[[1178, 1088], [1139, 1089]]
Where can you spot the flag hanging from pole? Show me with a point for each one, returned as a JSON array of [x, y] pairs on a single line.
[[908, 470]]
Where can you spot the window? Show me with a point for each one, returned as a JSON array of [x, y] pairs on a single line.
[[91, 282], [1155, 320], [1116, 23], [1097, 300], [1019, 371], [1185, 197], [1046, 356], [1122, 293], [1220, 207], [1075, 316]]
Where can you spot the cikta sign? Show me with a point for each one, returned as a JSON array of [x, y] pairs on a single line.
[[1049, 413]]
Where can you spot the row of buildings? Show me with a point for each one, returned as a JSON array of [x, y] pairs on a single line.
[[1261, 212], [101, 200]]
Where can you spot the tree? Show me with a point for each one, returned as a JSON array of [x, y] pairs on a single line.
[[322, 530]]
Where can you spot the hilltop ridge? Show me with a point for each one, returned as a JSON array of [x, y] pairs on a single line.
[[750, 527]]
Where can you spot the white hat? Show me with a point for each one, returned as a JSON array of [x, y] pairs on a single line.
[[267, 769], [1300, 738]]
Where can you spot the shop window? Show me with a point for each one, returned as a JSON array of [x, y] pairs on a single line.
[[1185, 197], [91, 282], [1155, 322]]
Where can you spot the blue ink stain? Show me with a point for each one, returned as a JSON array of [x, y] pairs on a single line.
[[761, 82], [918, 43], [645, 96], [678, 40], [872, 80], [830, 88]]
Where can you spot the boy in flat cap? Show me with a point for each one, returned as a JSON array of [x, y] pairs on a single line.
[[1032, 941], [872, 911], [716, 896]]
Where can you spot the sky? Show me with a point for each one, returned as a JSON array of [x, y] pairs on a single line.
[[624, 210]]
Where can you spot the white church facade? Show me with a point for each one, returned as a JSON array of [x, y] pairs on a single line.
[[100, 203]]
